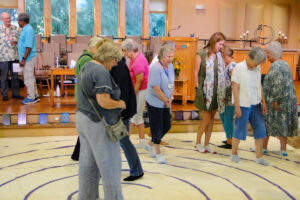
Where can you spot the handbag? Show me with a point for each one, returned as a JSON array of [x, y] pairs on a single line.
[[116, 131]]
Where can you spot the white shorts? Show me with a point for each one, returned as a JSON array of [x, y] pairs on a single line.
[[138, 119]]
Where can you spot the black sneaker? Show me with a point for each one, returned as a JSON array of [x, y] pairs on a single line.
[[37, 99], [5, 98], [133, 178], [226, 146], [18, 97], [224, 142]]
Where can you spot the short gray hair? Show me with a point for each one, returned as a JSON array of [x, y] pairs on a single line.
[[129, 45], [108, 51], [164, 49], [24, 17], [94, 41], [257, 55], [275, 49]]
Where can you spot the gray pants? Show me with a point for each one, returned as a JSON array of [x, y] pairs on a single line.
[[99, 157], [29, 78]]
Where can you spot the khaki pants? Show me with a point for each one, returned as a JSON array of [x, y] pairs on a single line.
[[29, 79]]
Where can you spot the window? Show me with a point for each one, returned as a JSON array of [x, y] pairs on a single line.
[[157, 24], [134, 16], [110, 17], [13, 14], [85, 17], [35, 9], [157, 17], [60, 16]]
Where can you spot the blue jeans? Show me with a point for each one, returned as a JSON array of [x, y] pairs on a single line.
[[253, 115], [227, 120], [131, 154]]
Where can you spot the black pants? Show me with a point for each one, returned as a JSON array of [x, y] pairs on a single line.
[[5, 67], [160, 122]]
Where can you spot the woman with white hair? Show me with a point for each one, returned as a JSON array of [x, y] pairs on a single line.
[[139, 72], [281, 120], [249, 103]]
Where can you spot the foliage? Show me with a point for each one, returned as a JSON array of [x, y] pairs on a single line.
[[60, 16], [109, 17], [178, 65], [134, 14], [13, 13], [35, 9], [85, 17], [157, 24]]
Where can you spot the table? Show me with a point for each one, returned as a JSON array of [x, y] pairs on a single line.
[[180, 90], [59, 72]]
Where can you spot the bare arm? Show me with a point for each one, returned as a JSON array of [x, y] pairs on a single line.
[[139, 79], [159, 93], [235, 89], [263, 102], [27, 52], [106, 102], [196, 69]]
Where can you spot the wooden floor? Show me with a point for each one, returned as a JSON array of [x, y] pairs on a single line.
[[40, 168]]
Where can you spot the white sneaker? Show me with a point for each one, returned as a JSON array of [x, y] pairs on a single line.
[[160, 159], [200, 148], [281, 153], [150, 149], [141, 143], [235, 158], [209, 150]]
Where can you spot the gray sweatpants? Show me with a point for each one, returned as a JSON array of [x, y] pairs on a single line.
[[99, 157], [29, 78]]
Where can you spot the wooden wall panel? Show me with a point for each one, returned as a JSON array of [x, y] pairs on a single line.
[[47, 19], [280, 18], [145, 26], [254, 16], [72, 19], [227, 19], [122, 25], [21, 6], [97, 17]]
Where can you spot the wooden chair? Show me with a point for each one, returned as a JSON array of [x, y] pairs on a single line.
[[78, 48], [52, 47], [45, 61], [38, 41], [62, 40], [83, 39]]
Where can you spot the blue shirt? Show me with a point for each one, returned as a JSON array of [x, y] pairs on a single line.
[[164, 79], [27, 39]]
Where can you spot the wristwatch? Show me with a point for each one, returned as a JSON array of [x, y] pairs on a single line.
[[24, 58]]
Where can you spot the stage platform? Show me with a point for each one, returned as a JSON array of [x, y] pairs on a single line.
[[185, 118]]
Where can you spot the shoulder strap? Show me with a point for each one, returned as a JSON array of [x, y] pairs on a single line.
[[90, 101]]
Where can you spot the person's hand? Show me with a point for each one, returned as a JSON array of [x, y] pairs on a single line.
[[275, 105], [122, 104], [238, 112], [264, 108], [13, 43], [22, 63]]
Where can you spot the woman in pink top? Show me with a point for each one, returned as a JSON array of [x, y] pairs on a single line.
[[139, 72]]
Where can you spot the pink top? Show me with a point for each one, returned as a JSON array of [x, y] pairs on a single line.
[[137, 66]]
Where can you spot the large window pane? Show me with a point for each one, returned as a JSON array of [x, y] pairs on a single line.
[[134, 14], [35, 9], [85, 17], [157, 24], [13, 14], [109, 17], [60, 16]]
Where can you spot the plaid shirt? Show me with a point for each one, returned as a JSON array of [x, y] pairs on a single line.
[[8, 52]]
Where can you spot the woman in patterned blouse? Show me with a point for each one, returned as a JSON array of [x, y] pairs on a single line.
[[281, 119]]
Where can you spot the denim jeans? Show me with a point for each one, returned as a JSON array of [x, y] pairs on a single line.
[[97, 154], [131, 154]]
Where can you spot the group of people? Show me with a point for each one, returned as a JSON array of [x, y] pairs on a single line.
[[17, 45], [236, 90], [116, 84]]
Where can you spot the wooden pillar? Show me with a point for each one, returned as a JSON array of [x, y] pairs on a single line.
[[47, 19], [122, 16], [169, 15], [21, 6], [72, 20], [97, 17], [145, 29]]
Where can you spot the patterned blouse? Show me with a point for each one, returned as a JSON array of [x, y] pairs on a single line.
[[228, 96], [8, 52]]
